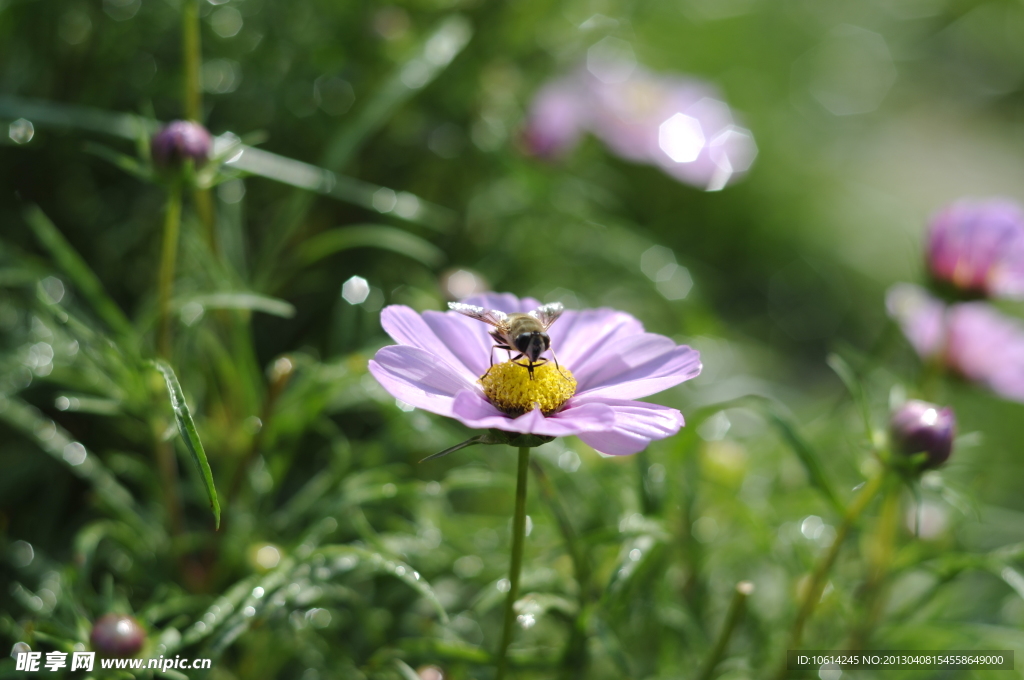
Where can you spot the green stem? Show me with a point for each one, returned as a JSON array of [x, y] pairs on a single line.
[[816, 584], [880, 558], [518, 538], [732, 618], [192, 55], [168, 257]]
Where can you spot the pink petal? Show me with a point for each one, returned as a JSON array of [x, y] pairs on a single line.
[[578, 335], [419, 378], [988, 347], [474, 411], [450, 337], [919, 315], [637, 424], [637, 366]]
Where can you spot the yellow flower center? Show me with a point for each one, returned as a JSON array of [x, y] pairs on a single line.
[[509, 388]]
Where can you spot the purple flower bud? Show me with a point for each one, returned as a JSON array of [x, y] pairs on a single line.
[[977, 248], [179, 141], [918, 427], [117, 635]]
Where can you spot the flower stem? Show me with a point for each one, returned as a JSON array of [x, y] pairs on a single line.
[[732, 618], [518, 537], [879, 558], [192, 56], [168, 257], [812, 594]]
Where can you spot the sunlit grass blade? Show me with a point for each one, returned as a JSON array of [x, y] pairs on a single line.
[[807, 455], [241, 300], [123, 125], [370, 236], [78, 271], [189, 434], [400, 204]]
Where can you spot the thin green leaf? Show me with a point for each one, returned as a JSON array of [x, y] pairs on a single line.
[[401, 204], [370, 236], [807, 455], [123, 125], [849, 378], [386, 565], [445, 650], [189, 434], [406, 671], [242, 300], [78, 271], [119, 160]]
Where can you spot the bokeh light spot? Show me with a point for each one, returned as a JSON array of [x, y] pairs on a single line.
[[681, 138]]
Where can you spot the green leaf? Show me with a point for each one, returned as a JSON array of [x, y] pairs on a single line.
[[123, 125], [187, 429], [370, 236], [242, 300], [807, 455], [119, 160], [400, 204], [78, 271], [849, 378]]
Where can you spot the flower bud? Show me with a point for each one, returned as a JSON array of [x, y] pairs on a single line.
[[179, 141], [921, 427], [117, 635]]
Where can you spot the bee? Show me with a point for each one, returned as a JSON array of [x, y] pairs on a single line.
[[526, 333]]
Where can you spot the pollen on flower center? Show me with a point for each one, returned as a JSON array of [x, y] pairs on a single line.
[[509, 388]]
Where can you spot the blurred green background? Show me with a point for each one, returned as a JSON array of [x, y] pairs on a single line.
[[868, 116]]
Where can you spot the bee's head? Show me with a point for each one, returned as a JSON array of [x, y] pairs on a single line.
[[533, 344]]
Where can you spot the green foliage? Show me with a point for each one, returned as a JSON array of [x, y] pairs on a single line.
[[380, 141]]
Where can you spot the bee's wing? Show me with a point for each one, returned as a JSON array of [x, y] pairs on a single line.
[[488, 316], [548, 314]]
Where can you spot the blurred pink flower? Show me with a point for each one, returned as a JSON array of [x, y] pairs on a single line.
[[972, 339], [978, 248], [441, 355], [679, 124]]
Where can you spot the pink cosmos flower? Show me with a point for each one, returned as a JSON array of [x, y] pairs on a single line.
[[972, 339], [441, 355], [678, 124], [978, 247]]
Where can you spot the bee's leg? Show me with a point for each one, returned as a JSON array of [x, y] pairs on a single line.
[[557, 366], [493, 347]]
